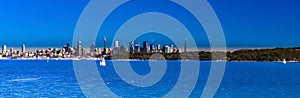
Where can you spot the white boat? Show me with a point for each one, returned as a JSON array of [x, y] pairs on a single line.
[[284, 61], [102, 62]]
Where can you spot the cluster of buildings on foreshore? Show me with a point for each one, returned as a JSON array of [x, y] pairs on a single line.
[[42, 53], [78, 51]]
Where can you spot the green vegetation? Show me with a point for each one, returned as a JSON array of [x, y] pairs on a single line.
[[277, 54]]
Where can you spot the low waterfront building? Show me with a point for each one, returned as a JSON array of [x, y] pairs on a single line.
[[167, 49], [170, 49], [106, 51], [115, 50], [98, 51]]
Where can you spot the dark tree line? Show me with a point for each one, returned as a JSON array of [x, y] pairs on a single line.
[[276, 54]]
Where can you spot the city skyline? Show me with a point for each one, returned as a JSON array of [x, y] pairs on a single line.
[[149, 48], [112, 46], [68, 51], [253, 23]]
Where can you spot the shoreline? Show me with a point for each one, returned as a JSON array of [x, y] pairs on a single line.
[[97, 59]]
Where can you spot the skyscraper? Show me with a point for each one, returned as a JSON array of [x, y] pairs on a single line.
[[131, 47], [145, 47], [116, 44], [92, 48], [83, 53], [79, 49], [68, 48], [152, 48], [23, 48], [123, 49], [116, 49], [137, 48], [11, 50], [4, 49]]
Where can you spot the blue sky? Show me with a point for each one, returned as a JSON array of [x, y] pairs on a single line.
[[246, 23]]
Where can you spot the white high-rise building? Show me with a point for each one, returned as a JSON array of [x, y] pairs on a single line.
[[116, 44], [4, 49], [79, 49]]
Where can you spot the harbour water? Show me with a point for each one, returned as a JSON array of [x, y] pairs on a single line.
[[56, 78]]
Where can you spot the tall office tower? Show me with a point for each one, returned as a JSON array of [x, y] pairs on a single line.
[[145, 47], [23, 48], [185, 46], [68, 48], [104, 40], [92, 48], [116, 44], [4, 49], [151, 47], [83, 53], [137, 48], [11, 50], [131, 47], [79, 49]]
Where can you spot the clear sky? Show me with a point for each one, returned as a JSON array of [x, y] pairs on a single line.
[[246, 23]]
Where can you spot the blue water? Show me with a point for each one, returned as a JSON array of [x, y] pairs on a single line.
[[42, 78]]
